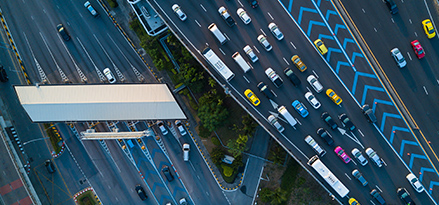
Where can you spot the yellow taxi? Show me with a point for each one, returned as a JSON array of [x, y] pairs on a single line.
[[428, 28], [334, 97], [299, 64], [321, 46], [252, 97], [353, 201]]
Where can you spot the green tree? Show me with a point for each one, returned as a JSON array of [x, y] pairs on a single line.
[[211, 82], [266, 195], [279, 196], [192, 77], [249, 125], [217, 154], [237, 146], [211, 111]]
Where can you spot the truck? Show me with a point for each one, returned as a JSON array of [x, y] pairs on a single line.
[[218, 64], [284, 112]]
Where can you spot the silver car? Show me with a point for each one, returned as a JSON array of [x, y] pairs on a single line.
[[373, 156], [312, 100], [359, 157], [243, 15], [179, 12], [273, 121], [275, 31], [264, 42], [248, 50], [399, 59]]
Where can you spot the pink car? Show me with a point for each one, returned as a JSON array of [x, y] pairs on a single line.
[[342, 154]]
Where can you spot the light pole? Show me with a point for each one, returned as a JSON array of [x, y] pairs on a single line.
[[25, 143]]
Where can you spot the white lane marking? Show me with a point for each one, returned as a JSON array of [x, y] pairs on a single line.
[[293, 45], [375, 29], [378, 188], [198, 23], [363, 11], [226, 197], [246, 79], [347, 176], [361, 133], [270, 16], [262, 32], [201, 5], [410, 20], [315, 74], [416, 34], [256, 49], [222, 51], [437, 81], [286, 61], [409, 55], [425, 89], [240, 3], [273, 93]]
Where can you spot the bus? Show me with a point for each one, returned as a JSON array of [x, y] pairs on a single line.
[[329, 177], [218, 64]]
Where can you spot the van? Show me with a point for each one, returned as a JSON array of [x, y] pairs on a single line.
[[315, 146], [284, 112], [217, 33], [241, 62]]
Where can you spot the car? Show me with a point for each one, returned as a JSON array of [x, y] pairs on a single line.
[[226, 16], [275, 123], [162, 127], [326, 136], [328, 119], [91, 9], [392, 6], [404, 195], [334, 97], [373, 156], [315, 146], [275, 31], [243, 16], [180, 127], [249, 51], [293, 77], [252, 97], [419, 51], [415, 182], [186, 149], [342, 154], [298, 62], [265, 90], [179, 12], [428, 28], [312, 80], [107, 72], [357, 174], [368, 112], [300, 108], [167, 172], [264, 42], [141, 192], [377, 196], [359, 157], [271, 74], [63, 32], [347, 123], [312, 100], [182, 201], [253, 3], [353, 201], [321, 46], [49, 166], [399, 59], [3, 74]]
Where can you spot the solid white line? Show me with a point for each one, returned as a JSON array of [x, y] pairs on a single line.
[[221, 50], [361, 133], [198, 23], [286, 61]]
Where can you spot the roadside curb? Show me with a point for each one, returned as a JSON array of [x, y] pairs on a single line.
[[83, 191]]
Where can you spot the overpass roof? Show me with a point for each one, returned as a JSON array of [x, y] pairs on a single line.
[[100, 102]]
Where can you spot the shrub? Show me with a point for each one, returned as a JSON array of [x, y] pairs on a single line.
[[204, 132], [113, 3], [290, 175], [215, 141], [227, 171], [266, 195], [217, 155]]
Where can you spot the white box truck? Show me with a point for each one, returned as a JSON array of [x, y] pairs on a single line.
[[284, 112], [245, 66], [217, 33]]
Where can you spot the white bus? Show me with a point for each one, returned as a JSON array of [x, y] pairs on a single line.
[[329, 177], [218, 64]]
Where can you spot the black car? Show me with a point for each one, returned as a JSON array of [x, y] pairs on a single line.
[[375, 194], [368, 112], [326, 136], [392, 6], [405, 196], [293, 77], [168, 174], [63, 32], [141, 192], [253, 3], [264, 90], [49, 166], [3, 74], [346, 121], [328, 119]]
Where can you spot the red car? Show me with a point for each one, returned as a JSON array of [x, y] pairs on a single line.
[[418, 49]]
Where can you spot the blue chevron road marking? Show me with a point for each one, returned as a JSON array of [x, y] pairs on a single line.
[[356, 54], [393, 133], [329, 12], [155, 151], [354, 84], [302, 10], [376, 101], [178, 189], [366, 89], [290, 5], [339, 63], [385, 115], [414, 156], [157, 185], [432, 183], [337, 27], [165, 197], [346, 41], [311, 23], [324, 36], [423, 170]]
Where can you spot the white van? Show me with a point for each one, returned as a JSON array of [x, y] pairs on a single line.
[[109, 75], [284, 112], [241, 62], [220, 36]]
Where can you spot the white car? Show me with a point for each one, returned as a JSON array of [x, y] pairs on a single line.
[[250, 53], [162, 127], [109, 75], [275, 31], [243, 15], [373, 156], [186, 149], [180, 127], [179, 12], [312, 100], [183, 201], [399, 59], [264, 42], [359, 157], [415, 182], [90, 9], [312, 80], [277, 81], [315, 146], [273, 121]]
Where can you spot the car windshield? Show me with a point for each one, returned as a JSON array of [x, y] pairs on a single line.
[[340, 152], [298, 106], [319, 43], [357, 154], [372, 154]]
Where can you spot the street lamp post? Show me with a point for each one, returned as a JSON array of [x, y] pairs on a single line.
[[25, 143]]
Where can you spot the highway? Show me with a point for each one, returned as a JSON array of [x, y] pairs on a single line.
[[351, 72]]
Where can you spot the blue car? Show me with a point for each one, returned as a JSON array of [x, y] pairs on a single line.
[[300, 108]]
